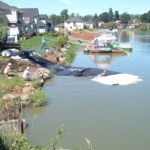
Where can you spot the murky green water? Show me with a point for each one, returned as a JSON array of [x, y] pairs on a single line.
[[112, 117]]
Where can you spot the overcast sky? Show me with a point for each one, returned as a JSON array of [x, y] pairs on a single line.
[[83, 7]]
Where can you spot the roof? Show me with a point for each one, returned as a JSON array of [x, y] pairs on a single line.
[[29, 12], [89, 22], [75, 19], [4, 5], [61, 25], [43, 16], [41, 24]]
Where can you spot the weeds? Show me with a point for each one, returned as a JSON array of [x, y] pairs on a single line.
[[55, 142], [70, 55], [37, 97]]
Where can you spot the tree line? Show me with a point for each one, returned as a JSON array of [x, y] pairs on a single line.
[[109, 16], [145, 17]]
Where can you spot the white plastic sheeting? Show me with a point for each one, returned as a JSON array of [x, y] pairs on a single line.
[[117, 79]]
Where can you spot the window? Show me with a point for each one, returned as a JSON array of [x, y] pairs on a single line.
[[74, 23], [26, 19]]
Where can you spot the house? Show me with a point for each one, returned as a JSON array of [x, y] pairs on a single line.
[[101, 24], [43, 24], [73, 24], [30, 17], [89, 24], [59, 27], [148, 25], [12, 17]]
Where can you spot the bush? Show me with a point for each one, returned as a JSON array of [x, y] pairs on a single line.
[[143, 27], [111, 25], [37, 98], [12, 141], [28, 35], [70, 55], [62, 40], [3, 31]]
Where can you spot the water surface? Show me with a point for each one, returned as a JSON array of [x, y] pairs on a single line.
[[112, 117]]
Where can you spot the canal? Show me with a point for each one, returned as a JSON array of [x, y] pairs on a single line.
[[112, 117]]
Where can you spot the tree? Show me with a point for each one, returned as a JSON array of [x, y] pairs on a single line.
[[3, 29], [116, 17], [104, 17], [88, 18], [64, 15], [125, 17], [111, 25], [110, 15], [54, 19], [96, 20], [143, 27], [145, 17], [72, 15]]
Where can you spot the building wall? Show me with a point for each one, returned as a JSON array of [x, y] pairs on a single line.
[[73, 25], [44, 21], [13, 32], [42, 30], [13, 17]]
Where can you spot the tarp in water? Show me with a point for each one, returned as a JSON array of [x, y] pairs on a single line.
[[99, 75]]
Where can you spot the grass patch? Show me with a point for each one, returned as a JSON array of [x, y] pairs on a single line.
[[7, 85], [37, 98], [3, 58], [70, 55], [36, 42], [12, 141]]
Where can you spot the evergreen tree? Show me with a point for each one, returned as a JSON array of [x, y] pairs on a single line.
[[125, 17], [104, 17], [110, 15], [146, 17], [96, 20], [3, 29], [116, 17], [64, 15]]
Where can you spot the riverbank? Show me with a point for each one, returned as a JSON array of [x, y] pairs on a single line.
[[16, 92]]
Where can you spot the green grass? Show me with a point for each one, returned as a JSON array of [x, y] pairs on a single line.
[[36, 42], [70, 55], [12, 141], [3, 58], [6, 85], [38, 97]]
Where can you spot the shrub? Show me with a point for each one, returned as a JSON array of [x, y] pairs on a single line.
[[143, 27], [70, 55], [13, 141], [37, 98], [3, 29]]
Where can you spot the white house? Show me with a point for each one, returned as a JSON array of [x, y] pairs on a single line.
[[59, 27], [43, 23], [89, 24], [30, 17], [12, 15], [73, 24], [101, 24]]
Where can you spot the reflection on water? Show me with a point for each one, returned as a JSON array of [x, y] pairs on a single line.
[[124, 36], [105, 60], [113, 118]]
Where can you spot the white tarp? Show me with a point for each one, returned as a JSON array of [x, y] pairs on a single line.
[[117, 79]]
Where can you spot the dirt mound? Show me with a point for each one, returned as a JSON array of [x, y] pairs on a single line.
[[85, 36], [17, 65]]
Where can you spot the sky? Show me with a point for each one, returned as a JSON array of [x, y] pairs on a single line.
[[83, 7]]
